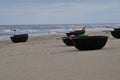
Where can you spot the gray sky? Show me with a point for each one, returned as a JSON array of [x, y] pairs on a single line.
[[59, 11]]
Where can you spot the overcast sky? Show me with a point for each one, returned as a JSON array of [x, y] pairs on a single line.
[[59, 11]]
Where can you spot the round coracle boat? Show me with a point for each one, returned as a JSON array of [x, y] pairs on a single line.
[[19, 38], [116, 33], [116, 29], [67, 41], [77, 33], [89, 42]]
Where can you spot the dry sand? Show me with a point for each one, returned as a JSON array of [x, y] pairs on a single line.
[[46, 58]]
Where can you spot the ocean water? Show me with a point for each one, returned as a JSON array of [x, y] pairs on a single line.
[[49, 29]]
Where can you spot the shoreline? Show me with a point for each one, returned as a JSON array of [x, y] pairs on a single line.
[[87, 33]]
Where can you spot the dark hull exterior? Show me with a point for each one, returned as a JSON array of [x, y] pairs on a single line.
[[90, 42], [67, 41], [116, 33], [19, 38], [116, 29]]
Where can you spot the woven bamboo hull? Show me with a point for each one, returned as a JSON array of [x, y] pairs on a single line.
[[90, 42], [116, 33], [67, 41], [19, 38]]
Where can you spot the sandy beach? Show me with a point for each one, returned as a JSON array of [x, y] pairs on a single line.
[[46, 58]]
